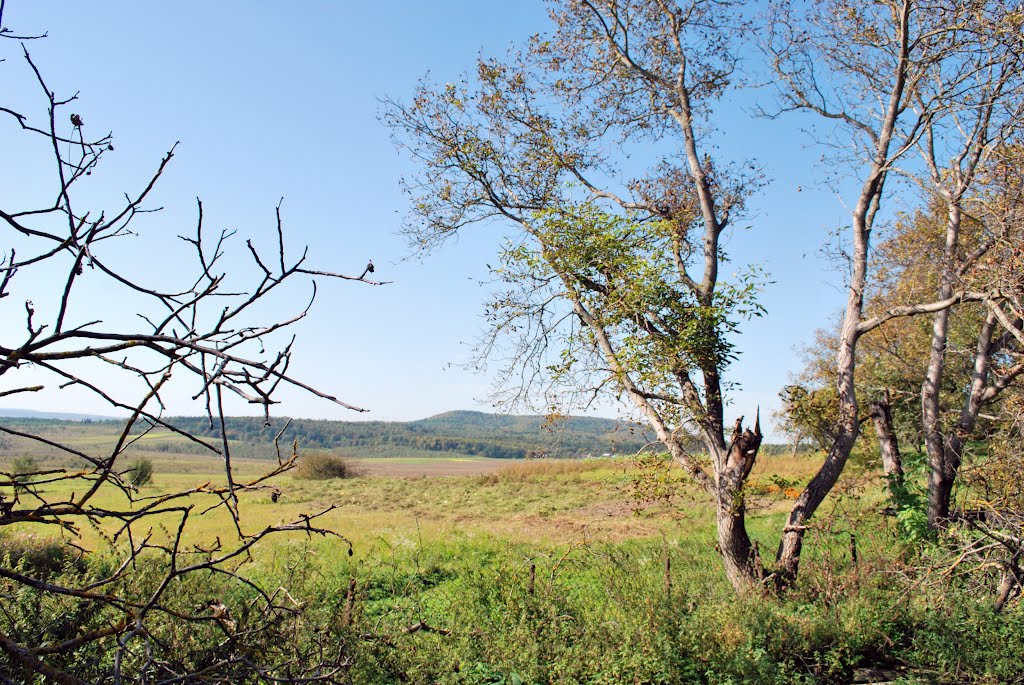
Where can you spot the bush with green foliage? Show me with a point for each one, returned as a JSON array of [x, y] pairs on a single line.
[[140, 472], [24, 465], [42, 556], [323, 466], [22, 468]]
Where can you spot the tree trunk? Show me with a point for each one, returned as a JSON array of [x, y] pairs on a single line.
[[940, 476], [940, 489], [980, 391], [940, 484], [941, 473], [848, 426], [791, 544], [892, 464], [742, 566]]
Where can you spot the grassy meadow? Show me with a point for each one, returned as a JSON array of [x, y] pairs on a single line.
[[477, 570], [557, 502]]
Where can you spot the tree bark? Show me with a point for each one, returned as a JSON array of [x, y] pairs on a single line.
[[742, 566], [791, 543], [892, 464], [941, 476], [941, 472], [979, 392]]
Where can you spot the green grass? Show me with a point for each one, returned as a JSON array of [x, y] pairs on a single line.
[[548, 572], [555, 502]]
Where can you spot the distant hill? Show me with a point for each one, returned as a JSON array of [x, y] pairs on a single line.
[[456, 432], [451, 434], [56, 415], [470, 421]]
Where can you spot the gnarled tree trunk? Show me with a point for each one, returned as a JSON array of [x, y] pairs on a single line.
[[742, 565]]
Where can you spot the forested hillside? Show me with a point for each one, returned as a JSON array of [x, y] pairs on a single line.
[[461, 432], [451, 434]]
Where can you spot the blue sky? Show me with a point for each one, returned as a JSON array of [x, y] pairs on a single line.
[[270, 103]]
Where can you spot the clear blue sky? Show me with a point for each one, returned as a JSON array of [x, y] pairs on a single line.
[[275, 99]]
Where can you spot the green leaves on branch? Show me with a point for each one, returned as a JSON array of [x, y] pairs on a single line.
[[624, 275]]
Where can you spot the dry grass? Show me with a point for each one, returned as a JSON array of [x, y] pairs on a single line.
[[534, 500], [418, 467], [520, 471], [547, 500], [792, 467]]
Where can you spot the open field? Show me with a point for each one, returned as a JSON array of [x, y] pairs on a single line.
[[488, 572], [400, 467], [556, 501]]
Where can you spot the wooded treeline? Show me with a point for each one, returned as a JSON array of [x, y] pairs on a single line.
[[469, 433], [453, 433]]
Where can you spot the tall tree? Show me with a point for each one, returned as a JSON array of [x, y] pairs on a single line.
[[983, 93], [607, 288], [981, 358], [884, 74]]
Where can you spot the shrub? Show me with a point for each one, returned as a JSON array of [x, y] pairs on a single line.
[[140, 472], [323, 466], [21, 467], [39, 555]]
